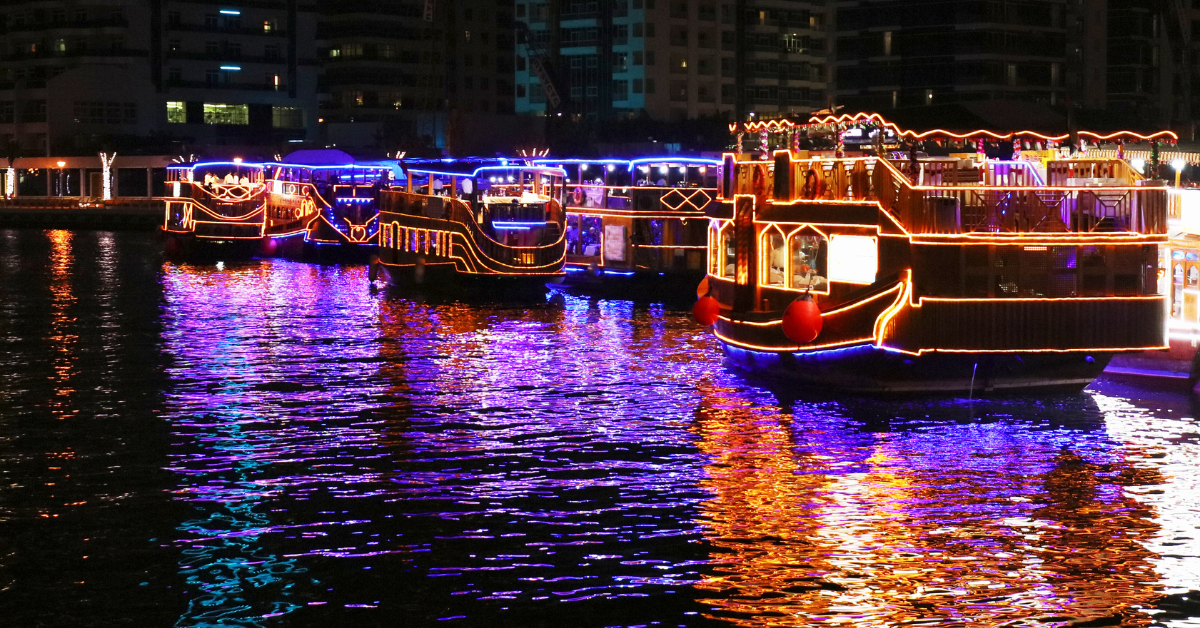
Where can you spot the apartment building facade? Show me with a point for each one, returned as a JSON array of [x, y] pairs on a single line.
[[401, 72], [898, 53], [79, 74], [671, 59]]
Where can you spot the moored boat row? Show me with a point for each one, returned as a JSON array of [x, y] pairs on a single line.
[[846, 263]]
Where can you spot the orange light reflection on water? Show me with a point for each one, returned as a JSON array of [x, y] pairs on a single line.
[[971, 526]]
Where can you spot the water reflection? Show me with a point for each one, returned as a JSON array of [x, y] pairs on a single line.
[[249, 358], [62, 338], [276, 444], [945, 520]]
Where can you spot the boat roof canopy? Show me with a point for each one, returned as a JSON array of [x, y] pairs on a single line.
[[319, 157]]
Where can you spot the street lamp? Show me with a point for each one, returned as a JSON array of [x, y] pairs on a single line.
[[1178, 165], [1138, 164], [59, 177]]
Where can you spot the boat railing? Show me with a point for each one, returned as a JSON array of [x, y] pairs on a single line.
[[940, 201], [547, 252], [641, 198]]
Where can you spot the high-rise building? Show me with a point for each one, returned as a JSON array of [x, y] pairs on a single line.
[[434, 74], [672, 59], [897, 53], [781, 62], [77, 75]]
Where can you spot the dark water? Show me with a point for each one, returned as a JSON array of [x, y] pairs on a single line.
[[274, 444]]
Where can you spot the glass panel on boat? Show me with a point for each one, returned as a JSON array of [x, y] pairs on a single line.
[[729, 246], [573, 235], [853, 259], [774, 258], [808, 262], [590, 235]]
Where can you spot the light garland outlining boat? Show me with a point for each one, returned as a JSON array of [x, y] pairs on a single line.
[[215, 207], [636, 229], [470, 224], [931, 274]]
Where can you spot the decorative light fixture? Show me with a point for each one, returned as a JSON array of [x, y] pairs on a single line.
[[106, 162]]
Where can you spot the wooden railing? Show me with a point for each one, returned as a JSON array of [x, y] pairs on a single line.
[[1020, 205]]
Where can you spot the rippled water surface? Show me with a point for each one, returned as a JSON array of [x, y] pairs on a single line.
[[277, 444]]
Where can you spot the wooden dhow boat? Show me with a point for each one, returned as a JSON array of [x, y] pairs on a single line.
[[883, 272], [636, 229], [474, 224]]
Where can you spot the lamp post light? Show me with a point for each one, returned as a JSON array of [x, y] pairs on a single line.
[[58, 178], [1178, 165], [1139, 164]]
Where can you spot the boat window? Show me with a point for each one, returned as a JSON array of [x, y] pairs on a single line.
[[1193, 256], [573, 235], [714, 251], [853, 259], [808, 262], [774, 258], [1177, 255], [1193, 276], [656, 232], [1178, 273], [589, 235], [728, 253]]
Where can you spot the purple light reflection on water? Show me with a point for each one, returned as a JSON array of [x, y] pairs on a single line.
[[594, 462]]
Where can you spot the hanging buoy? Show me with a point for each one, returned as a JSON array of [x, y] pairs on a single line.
[[269, 246], [802, 320], [172, 246], [702, 289], [706, 310]]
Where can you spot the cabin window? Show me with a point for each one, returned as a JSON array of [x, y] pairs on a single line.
[[656, 232], [1179, 273], [808, 264], [589, 235], [728, 254], [853, 259], [573, 235], [774, 263], [1193, 276], [714, 242]]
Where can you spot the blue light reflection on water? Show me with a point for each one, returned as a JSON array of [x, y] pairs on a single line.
[[503, 459], [336, 455]]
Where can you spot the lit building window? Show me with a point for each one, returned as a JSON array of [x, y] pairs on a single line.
[[219, 113], [287, 117], [176, 112]]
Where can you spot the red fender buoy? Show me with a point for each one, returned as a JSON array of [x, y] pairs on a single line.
[[802, 320], [269, 246], [702, 289], [706, 310]]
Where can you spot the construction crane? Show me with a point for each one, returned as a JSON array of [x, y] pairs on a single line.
[[537, 64]]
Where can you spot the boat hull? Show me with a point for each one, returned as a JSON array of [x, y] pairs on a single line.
[[678, 288], [187, 247], [869, 369], [445, 279]]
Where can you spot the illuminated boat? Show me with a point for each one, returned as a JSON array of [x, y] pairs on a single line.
[[955, 273], [216, 207], [637, 229], [1179, 270], [324, 205], [476, 223]]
